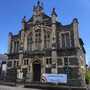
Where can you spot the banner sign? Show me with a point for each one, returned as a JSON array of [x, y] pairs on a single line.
[[54, 78]]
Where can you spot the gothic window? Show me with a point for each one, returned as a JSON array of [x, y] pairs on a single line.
[[48, 61], [16, 46], [16, 63], [26, 62], [48, 70], [47, 39], [29, 42], [65, 40], [38, 38], [73, 61], [59, 61], [66, 61]]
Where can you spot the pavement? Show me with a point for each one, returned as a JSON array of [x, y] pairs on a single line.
[[20, 87], [88, 86]]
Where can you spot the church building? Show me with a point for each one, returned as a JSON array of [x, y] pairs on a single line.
[[45, 45]]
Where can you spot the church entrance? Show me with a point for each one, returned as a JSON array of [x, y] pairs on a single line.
[[36, 71]]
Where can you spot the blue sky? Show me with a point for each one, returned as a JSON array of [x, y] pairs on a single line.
[[12, 12]]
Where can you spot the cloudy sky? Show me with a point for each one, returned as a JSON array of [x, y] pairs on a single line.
[[12, 12]]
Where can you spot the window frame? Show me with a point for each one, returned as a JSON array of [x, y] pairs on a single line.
[[62, 62], [60, 39]]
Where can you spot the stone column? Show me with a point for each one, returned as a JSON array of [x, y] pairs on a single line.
[[33, 39], [20, 59], [13, 46], [25, 42], [43, 65], [76, 33], [42, 37], [81, 73], [31, 70], [9, 42], [54, 46]]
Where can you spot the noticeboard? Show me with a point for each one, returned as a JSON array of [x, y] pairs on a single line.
[[55, 78]]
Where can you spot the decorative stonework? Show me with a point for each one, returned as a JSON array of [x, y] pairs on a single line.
[[53, 40]]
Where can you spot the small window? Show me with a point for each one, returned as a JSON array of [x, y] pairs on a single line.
[[15, 63], [60, 70], [66, 61], [59, 61], [9, 64], [48, 61], [73, 61], [25, 62], [65, 38], [48, 70]]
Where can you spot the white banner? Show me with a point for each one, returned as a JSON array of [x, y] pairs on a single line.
[[54, 78]]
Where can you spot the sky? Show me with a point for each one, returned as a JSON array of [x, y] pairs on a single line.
[[12, 12]]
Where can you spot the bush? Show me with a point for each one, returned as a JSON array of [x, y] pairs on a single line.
[[87, 77]]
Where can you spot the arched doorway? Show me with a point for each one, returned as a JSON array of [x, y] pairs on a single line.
[[36, 66]]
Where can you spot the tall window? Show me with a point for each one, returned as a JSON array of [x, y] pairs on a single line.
[[29, 42], [38, 39], [65, 40], [47, 39]]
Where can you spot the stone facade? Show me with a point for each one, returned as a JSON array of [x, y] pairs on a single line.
[[44, 45]]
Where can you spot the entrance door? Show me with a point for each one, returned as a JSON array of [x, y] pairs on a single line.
[[36, 71]]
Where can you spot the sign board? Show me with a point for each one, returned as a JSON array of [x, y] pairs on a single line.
[[54, 78]]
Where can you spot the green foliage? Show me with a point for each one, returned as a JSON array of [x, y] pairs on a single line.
[[87, 77]]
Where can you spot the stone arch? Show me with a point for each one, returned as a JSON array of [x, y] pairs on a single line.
[[36, 59]]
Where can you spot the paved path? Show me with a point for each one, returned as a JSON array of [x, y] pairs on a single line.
[[15, 88], [88, 87]]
